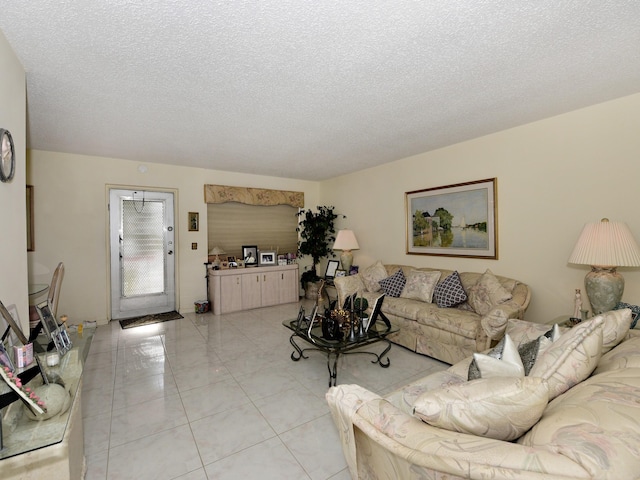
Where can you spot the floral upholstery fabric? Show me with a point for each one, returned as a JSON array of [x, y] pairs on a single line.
[[447, 334], [592, 431], [571, 358], [372, 275], [596, 424], [420, 285], [487, 293], [499, 407]]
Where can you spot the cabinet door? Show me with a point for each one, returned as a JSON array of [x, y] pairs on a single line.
[[270, 288], [289, 286], [230, 293], [251, 295]]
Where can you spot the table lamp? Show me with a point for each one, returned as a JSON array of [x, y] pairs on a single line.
[[346, 241], [216, 251], [604, 246]]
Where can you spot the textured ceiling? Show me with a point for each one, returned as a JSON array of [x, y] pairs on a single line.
[[309, 89]]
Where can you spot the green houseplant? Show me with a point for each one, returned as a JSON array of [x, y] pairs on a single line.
[[317, 234]]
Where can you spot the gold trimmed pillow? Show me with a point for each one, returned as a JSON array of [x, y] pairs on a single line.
[[420, 285], [487, 293], [503, 408]]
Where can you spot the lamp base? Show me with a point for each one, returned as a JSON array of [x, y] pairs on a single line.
[[604, 286], [346, 259]]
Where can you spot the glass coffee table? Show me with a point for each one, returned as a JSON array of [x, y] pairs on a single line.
[[334, 348]]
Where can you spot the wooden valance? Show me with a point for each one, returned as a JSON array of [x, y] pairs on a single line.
[[252, 196]]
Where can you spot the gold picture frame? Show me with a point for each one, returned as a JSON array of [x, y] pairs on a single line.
[[194, 221], [457, 220]]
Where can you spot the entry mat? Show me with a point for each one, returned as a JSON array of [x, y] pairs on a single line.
[[149, 319]]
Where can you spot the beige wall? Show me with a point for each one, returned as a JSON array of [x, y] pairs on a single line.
[[71, 222], [553, 176], [13, 260]]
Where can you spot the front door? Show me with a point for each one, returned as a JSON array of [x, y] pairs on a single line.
[[142, 253]]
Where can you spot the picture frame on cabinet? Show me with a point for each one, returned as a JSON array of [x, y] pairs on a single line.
[[267, 258], [250, 255]]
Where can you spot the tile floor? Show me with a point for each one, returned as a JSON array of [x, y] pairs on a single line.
[[218, 397]]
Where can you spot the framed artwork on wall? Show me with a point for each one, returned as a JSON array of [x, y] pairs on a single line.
[[194, 221], [454, 220]]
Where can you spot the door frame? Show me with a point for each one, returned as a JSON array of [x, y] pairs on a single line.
[[176, 241]]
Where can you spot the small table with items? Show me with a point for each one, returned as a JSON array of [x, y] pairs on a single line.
[[348, 344]]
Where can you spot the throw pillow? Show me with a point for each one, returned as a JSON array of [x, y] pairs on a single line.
[[420, 285], [615, 328], [571, 358], [503, 408], [450, 292], [372, 275], [502, 361], [487, 293], [394, 284]]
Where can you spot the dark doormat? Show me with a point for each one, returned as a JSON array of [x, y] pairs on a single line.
[[149, 319]]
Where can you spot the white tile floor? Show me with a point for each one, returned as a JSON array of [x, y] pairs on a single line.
[[218, 397]]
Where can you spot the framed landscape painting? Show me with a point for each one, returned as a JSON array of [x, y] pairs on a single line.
[[454, 220]]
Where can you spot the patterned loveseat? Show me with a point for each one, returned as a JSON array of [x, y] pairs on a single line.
[[575, 416], [474, 314]]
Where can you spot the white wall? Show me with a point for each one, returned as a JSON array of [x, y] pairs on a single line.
[[13, 259], [71, 222], [553, 176]]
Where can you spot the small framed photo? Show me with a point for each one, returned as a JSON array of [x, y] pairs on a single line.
[[194, 221], [12, 324], [240, 263], [56, 333], [353, 270], [282, 259], [332, 268], [341, 273], [267, 258], [224, 265], [250, 255]]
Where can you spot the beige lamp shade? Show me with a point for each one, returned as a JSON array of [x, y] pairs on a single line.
[[216, 251], [605, 245], [346, 241], [608, 244]]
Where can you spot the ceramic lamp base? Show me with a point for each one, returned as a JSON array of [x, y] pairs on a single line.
[[604, 286], [346, 259]]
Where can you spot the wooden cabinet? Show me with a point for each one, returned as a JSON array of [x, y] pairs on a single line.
[[244, 289]]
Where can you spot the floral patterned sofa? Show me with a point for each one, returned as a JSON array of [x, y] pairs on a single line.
[[441, 313], [576, 415]]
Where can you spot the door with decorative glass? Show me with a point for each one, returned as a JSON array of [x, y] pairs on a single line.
[[142, 252]]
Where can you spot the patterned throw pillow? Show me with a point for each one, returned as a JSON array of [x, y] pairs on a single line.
[[394, 284], [372, 275], [487, 293], [420, 285], [450, 292], [503, 408]]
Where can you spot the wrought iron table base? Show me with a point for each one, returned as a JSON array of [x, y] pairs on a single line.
[[333, 372]]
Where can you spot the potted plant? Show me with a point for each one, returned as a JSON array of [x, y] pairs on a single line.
[[317, 234]]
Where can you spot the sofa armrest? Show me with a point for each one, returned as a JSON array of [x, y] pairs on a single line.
[[414, 446], [494, 323], [346, 286]]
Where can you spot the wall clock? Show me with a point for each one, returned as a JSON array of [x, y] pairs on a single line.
[[8, 156]]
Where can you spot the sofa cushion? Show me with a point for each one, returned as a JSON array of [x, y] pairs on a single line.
[[571, 358], [487, 293], [449, 292], [394, 284], [625, 355], [615, 327], [420, 285], [596, 424], [372, 275], [502, 408], [411, 392]]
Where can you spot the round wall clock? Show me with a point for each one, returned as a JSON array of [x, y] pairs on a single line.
[[8, 156]]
